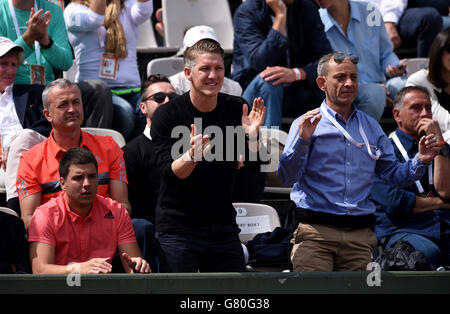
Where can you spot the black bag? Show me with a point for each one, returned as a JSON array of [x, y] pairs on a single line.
[[403, 256], [270, 249]]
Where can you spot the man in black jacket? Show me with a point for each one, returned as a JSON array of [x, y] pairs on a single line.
[[277, 44]]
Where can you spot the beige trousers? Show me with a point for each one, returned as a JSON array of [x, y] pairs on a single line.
[[326, 248]]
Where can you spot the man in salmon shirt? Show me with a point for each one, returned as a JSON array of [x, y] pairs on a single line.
[[38, 177], [80, 226]]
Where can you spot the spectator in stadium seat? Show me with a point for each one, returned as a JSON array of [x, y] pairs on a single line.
[[144, 179], [80, 226], [21, 107], [330, 157], [416, 212], [38, 26], [139, 154], [195, 219], [436, 79], [38, 179], [276, 47], [349, 29], [408, 26], [104, 34]]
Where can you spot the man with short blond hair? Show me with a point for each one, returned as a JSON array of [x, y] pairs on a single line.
[[195, 219]]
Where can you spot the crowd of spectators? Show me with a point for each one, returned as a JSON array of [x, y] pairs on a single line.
[[163, 202]]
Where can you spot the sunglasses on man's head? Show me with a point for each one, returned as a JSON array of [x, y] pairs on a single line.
[[339, 57], [160, 97]]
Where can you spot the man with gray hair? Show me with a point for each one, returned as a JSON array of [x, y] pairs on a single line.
[[38, 178], [330, 157], [418, 213]]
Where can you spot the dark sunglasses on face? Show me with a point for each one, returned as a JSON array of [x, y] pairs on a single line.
[[160, 97], [447, 48], [339, 57]]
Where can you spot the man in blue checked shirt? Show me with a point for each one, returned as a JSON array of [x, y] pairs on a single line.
[[330, 157]]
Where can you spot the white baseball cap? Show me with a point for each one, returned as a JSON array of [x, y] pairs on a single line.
[[7, 45], [197, 33]]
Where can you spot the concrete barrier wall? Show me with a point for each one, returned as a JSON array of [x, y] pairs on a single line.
[[231, 283]]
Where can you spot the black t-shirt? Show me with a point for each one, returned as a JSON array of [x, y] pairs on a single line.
[[143, 177], [14, 248], [444, 99], [204, 197]]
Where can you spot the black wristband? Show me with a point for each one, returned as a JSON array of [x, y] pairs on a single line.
[[251, 139], [49, 44]]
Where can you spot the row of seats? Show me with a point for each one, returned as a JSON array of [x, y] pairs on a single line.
[[251, 217], [193, 12]]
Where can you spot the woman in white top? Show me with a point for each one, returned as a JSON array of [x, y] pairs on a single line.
[[437, 80], [103, 34]]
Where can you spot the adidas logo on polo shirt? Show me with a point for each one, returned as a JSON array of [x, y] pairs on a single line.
[[109, 215]]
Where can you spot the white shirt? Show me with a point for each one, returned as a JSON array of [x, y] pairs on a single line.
[[9, 120], [391, 10], [87, 36], [147, 132]]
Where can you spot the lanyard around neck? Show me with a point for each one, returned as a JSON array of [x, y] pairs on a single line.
[[350, 138], [16, 26], [406, 157]]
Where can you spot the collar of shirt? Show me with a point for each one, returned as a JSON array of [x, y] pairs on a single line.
[[409, 143], [147, 132], [336, 115], [328, 21], [8, 92], [74, 216], [54, 149]]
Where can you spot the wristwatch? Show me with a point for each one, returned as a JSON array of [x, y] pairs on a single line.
[[444, 151], [49, 44]]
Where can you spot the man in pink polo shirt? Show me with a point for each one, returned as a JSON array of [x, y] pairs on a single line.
[[80, 226]]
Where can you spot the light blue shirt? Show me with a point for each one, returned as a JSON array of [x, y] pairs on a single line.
[[367, 38], [332, 175]]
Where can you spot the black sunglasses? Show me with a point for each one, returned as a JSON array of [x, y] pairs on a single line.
[[447, 48], [340, 56], [160, 97]]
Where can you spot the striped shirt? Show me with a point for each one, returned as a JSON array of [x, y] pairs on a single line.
[[39, 167]]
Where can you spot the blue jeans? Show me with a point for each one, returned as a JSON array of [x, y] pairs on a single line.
[[421, 244], [127, 114], [272, 96], [395, 84]]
